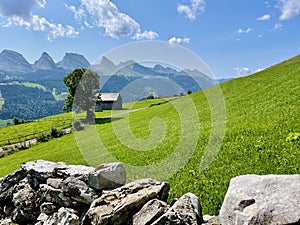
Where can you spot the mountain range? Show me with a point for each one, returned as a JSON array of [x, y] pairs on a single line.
[[14, 62], [45, 78]]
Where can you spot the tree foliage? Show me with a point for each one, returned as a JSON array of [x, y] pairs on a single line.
[[82, 86], [28, 103]]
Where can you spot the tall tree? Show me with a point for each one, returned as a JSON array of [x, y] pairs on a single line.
[[83, 85]]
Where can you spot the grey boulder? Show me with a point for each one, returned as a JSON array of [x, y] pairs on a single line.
[[119, 205], [107, 176], [185, 211], [268, 199], [150, 212]]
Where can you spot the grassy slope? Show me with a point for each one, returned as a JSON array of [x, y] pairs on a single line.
[[261, 111]]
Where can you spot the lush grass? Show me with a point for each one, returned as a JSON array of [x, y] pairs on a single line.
[[26, 84], [59, 97], [16, 133], [262, 111]]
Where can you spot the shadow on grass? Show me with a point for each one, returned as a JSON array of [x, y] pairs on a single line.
[[106, 120]]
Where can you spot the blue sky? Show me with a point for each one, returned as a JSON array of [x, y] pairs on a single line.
[[234, 37]]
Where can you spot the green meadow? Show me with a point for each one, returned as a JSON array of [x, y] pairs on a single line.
[[193, 142]]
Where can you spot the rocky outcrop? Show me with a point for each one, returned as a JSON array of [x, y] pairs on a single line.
[[44, 192], [117, 206], [54, 193], [269, 199], [110, 175], [150, 212]]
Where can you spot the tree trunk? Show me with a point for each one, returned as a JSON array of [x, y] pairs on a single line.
[[90, 116]]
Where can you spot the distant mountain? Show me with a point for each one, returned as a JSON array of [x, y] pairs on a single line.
[[135, 81], [73, 61], [45, 62], [14, 62]]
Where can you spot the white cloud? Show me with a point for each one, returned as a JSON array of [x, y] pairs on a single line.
[[277, 26], [242, 71], [105, 14], [241, 31], [178, 41], [264, 17], [151, 35], [289, 9], [19, 13], [19, 8], [245, 71], [193, 9], [41, 24], [79, 14], [258, 70]]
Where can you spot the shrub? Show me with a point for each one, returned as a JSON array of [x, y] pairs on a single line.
[[43, 137], [55, 133], [17, 121], [189, 92]]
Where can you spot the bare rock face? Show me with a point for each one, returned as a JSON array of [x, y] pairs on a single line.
[[108, 176], [117, 206], [25, 202], [269, 199], [79, 191], [64, 216], [150, 212], [12, 179], [44, 192], [185, 211], [211, 220]]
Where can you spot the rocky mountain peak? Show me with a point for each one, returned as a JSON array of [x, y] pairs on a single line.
[[106, 63], [13, 62], [73, 61], [45, 62]]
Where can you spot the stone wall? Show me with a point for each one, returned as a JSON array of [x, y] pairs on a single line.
[[50, 193]]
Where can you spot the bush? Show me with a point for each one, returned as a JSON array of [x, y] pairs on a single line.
[[189, 92], [17, 121], [43, 137], [55, 133]]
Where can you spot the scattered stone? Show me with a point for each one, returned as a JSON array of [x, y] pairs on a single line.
[[67, 216], [150, 212], [42, 169], [54, 182], [186, 211], [48, 208], [25, 202], [78, 190], [77, 171], [6, 221], [56, 196], [107, 176], [50, 193], [119, 205], [268, 199], [211, 220], [12, 179]]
